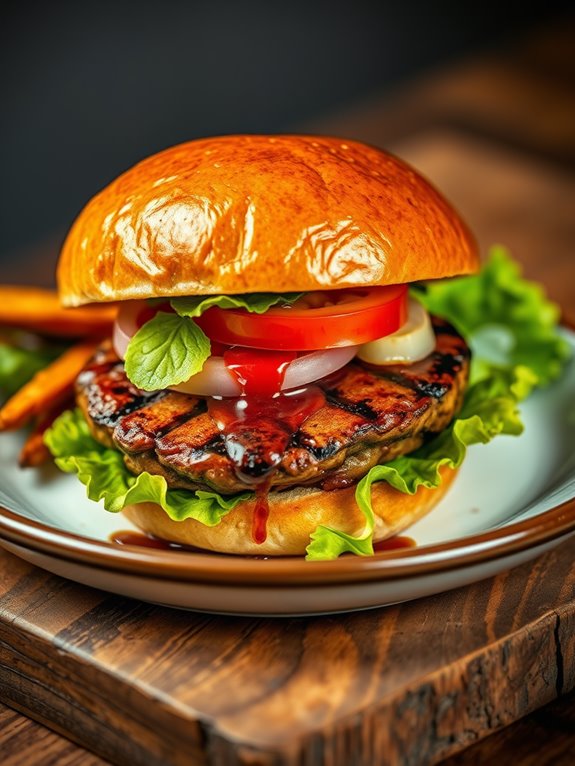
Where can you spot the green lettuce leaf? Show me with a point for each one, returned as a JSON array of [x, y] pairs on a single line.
[[106, 477], [328, 543], [257, 303], [165, 351], [507, 320], [19, 365], [511, 329]]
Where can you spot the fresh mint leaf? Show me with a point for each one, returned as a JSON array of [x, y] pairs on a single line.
[[166, 351], [170, 348]]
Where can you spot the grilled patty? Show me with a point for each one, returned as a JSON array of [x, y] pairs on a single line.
[[368, 416]]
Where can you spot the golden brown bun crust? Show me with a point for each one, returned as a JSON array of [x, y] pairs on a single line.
[[257, 213], [294, 515]]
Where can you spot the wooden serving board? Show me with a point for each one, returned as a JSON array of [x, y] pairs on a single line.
[[414, 683]]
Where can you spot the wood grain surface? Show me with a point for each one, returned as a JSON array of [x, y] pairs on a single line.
[[26, 742], [139, 684], [544, 738], [411, 684]]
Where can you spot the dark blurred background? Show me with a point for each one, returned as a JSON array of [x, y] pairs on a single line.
[[88, 90]]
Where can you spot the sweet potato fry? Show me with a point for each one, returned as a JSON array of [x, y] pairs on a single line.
[[35, 452], [47, 388], [39, 310]]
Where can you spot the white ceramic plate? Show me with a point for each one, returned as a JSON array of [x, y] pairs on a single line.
[[512, 500]]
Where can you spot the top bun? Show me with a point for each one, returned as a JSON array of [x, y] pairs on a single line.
[[257, 213]]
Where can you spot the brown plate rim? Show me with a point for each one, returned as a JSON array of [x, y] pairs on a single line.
[[545, 527], [553, 524]]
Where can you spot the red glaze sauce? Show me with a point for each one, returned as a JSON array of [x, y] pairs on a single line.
[[141, 540], [259, 373], [257, 430], [148, 541], [398, 542], [258, 426], [261, 513]]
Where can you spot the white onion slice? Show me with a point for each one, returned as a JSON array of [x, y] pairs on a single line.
[[120, 339], [216, 380], [125, 325], [413, 341]]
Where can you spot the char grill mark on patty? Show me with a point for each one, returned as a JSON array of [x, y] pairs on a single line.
[[108, 393], [140, 430], [371, 415], [434, 378]]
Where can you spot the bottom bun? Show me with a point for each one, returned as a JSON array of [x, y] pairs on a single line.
[[294, 515]]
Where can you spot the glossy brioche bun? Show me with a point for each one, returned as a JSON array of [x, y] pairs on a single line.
[[257, 213], [294, 515]]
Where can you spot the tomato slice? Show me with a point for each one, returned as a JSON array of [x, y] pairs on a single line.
[[354, 316]]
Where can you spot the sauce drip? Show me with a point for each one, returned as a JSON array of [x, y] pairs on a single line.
[[261, 513], [398, 542], [141, 540], [259, 373], [257, 426], [257, 430], [148, 541]]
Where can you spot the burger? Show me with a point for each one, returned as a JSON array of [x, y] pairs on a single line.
[[268, 361]]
